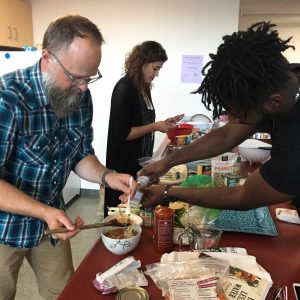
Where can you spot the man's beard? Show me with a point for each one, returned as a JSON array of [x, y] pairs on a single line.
[[64, 102]]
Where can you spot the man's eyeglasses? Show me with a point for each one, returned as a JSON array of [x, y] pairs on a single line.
[[77, 80]]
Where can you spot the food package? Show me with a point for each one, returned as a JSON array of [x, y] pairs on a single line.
[[124, 274], [194, 213], [221, 165], [287, 215], [175, 175], [183, 139]]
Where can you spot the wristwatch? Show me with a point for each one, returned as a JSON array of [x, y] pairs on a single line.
[[103, 177], [165, 201]]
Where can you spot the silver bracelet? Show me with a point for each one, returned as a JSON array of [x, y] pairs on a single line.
[[103, 177]]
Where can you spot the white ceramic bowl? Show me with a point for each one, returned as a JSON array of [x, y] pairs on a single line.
[[120, 246], [249, 150]]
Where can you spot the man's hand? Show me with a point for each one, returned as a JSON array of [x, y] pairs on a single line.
[[152, 195], [154, 170], [121, 182], [56, 218]]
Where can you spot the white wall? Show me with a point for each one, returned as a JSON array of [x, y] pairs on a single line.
[[182, 27], [286, 27]]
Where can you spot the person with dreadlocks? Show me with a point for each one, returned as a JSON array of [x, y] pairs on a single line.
[[251, 79]]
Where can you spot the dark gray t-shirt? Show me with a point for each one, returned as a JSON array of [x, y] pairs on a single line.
[[282, 170]]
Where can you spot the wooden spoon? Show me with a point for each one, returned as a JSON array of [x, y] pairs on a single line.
[[110, 221]]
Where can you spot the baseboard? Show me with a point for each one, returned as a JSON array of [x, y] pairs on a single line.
[[89, 193]]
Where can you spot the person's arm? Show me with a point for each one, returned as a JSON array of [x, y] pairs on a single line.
[[91, 169], [162, 126], [256, 192], [216, 142], [14, 201]]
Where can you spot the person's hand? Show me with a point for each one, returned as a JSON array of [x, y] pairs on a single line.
[[121, 182], [175, 119], [152, 195], [154, 170], [124, 198], [56, 218], [164, 126]]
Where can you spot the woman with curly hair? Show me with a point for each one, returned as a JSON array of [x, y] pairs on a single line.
[[132, 116]]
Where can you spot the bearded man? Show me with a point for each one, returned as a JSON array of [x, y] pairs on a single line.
[[45, 132]]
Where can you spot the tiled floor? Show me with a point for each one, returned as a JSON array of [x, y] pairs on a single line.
[[84, 206]]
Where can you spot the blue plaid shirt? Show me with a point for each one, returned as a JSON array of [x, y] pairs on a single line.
[[37, 150]]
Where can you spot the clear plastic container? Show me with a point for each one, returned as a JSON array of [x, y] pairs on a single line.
[[142, 181]]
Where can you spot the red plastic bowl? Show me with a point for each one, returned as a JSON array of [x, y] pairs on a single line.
[[181, 129]]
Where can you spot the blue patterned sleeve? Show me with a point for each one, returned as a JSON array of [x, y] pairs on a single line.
[[88, 133], [8, 127]]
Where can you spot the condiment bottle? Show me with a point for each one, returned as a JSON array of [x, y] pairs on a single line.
[[163, 229]]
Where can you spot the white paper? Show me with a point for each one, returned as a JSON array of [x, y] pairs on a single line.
[[193, 289], [191, 68]]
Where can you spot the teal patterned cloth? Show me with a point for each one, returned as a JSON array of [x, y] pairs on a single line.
[[256, 221]]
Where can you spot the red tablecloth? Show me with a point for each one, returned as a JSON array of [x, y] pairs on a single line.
[[280, 256]]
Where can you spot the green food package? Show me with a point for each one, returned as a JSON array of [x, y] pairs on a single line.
[[197, 214]]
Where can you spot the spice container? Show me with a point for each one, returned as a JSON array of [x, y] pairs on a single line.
[[204, 167], [237, 167], [231, 180], [163, 229], [147, 214]]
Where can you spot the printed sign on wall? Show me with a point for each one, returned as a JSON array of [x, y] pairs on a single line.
[[191, 68]]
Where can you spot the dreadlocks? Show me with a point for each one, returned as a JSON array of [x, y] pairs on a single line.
[[248, 67]]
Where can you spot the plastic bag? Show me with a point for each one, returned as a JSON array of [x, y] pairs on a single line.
[[198, 181], [197, 214], [163, 273]]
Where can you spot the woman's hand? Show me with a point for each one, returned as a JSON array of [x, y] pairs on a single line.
[[168, 124], [164, 126], [175, 119]]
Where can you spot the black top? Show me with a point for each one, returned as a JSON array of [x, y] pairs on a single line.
[[128, 109], [282, 170]]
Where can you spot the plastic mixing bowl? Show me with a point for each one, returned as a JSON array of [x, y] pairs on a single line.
[[181, 129]]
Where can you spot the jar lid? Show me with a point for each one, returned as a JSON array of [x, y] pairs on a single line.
[[133, 293]]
